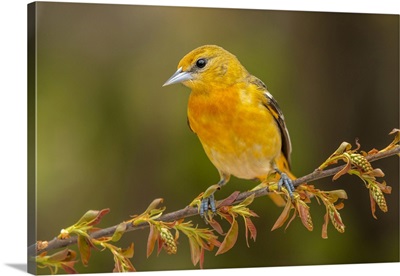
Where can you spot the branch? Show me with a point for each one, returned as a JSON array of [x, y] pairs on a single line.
[[192, 211]]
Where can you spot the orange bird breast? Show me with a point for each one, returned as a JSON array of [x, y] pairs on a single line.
[[239, 135]]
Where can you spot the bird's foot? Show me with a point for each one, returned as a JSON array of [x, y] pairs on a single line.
[[207, 203], [208, 200], [286, 182]]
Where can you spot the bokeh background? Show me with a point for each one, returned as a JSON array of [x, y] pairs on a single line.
[[110, 136]]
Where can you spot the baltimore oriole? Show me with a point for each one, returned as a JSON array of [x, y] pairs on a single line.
[[238, 122]]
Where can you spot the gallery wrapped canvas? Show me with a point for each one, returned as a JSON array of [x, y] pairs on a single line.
[[116, 178]]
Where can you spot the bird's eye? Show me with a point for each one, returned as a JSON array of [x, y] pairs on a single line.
[[200, 63]]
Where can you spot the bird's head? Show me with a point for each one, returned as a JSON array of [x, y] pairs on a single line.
[[207, 67]]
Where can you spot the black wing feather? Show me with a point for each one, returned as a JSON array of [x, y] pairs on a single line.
[[276, 111]]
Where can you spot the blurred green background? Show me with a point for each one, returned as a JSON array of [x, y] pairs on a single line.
[[109, 136]]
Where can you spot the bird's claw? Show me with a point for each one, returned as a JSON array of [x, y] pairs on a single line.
[[206, 203], [287, 183]]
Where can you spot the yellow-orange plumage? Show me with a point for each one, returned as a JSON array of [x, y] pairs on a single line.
[[231, 134], [238, 122]]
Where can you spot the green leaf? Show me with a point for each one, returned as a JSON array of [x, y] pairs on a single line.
[[84, 249], [345, 146], [128, 252], [154, 204], [230, 238], [336, 194], [194, 250], [119, 232], [211, 190], [395, 131], [121, 258], [156, 213], [248, 200], [92, 217], [59, 256], [64, 259]]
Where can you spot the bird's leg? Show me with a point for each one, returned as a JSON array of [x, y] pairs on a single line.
[[209, 201], [286, 182]]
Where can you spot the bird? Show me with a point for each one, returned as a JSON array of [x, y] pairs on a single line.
[[239, 123]]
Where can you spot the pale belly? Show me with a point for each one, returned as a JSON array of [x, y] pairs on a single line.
[[244, 165]]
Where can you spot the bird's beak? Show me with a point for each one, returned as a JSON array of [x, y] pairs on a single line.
[[178, 76]]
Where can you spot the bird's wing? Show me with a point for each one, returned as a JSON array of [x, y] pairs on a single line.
[[272, 105]]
